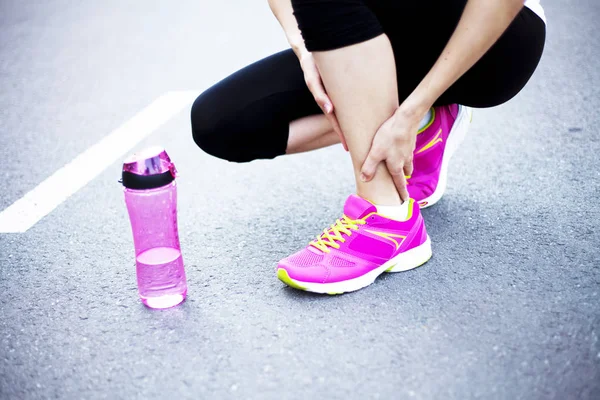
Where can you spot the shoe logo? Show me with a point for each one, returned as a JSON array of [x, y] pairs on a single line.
[[423, 203], [389, 236], [436, 139]]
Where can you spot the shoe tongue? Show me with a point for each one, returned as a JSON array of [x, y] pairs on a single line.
[[357, 207]]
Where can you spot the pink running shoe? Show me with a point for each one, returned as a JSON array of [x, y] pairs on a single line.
[[358, 248], [436, 143]]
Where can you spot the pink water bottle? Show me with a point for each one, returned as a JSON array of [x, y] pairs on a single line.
[[151, 198]]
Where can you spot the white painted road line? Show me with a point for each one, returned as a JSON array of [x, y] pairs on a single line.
[[35, 205]]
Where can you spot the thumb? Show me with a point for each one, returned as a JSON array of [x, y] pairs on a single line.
[[327, 104], [318, 91], [369, 167], [324, 102]]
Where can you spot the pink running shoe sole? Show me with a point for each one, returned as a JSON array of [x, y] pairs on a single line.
[[455, 138], [410, 259]]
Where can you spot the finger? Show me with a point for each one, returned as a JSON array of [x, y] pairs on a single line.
[[370, 165], [397, 172], [315, 86], [408, 169], [337, 129], [400, 182], [326, 105], [327, 108]]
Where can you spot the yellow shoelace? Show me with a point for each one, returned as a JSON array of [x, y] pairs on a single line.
[[329, 236]]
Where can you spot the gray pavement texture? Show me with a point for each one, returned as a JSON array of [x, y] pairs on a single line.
[[508, 307]]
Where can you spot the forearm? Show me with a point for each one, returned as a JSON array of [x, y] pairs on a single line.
[[283, 11], [482, 23]]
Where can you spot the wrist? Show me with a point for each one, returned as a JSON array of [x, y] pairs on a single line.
[[297, 45], [413, 108]]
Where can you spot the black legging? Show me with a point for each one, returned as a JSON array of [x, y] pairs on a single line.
[[247, 115]]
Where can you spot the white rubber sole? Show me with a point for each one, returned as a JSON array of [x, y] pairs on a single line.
[[456, 137], [410, 259]]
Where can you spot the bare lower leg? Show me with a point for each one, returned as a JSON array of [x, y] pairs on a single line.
[[361, 81], [310, 133]]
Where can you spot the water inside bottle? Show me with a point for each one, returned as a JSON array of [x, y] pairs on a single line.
[[161, 277]]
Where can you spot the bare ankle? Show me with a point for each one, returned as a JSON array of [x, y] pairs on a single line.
[[380, 197]]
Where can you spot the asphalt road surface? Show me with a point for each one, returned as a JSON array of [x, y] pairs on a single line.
[[508, 307]]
